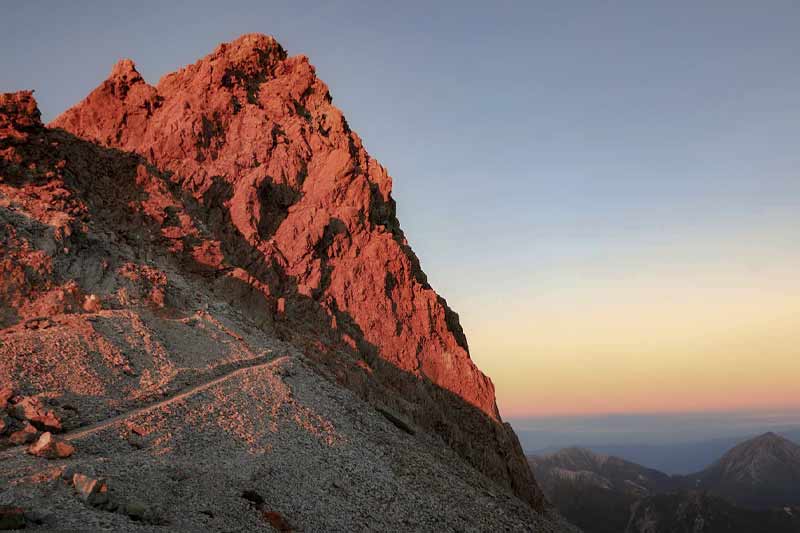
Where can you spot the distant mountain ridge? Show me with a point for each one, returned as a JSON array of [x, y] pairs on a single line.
[[683, 458], [755, 482], [603, 470]]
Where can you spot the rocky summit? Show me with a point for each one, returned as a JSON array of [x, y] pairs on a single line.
[[210, 319], [760, 472]]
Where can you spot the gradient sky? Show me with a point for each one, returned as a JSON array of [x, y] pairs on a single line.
[[607, 193]]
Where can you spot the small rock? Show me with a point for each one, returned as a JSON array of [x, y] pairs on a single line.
[[253, 497], [51, 447], [396, 420], [24, 436], [276, 520], [6, 393], [137, 429], [136, 510], [91, 304], [93, 491], [11, 517]]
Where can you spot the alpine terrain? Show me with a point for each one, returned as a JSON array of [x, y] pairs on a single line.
[[210, 319]]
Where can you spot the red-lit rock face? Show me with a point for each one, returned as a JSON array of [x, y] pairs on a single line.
[[255, 134]]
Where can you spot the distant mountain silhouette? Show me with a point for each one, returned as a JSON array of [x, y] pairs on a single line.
[[756, 483]]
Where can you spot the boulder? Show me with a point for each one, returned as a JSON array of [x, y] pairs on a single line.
[[94, 491], [51, 447], [25, 435], [32, 410]]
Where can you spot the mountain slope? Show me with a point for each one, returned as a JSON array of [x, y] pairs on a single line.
[[761, 472], [695, 512], [161, 245], [595, 491]]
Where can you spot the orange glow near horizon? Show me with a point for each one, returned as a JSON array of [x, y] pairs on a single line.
[[711, 340]]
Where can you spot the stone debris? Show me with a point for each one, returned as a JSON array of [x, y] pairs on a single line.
[[26, 435], [51, 447], [93, 491]]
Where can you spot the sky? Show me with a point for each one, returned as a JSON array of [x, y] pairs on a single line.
[[607, 193]]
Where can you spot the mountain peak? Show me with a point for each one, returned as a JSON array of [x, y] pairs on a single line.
[[125, 69], [303, 216], [770, 437], [766, 443], [249, 43], [250, 59], [764, 469]]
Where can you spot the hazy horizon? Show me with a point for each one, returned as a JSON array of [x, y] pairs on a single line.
[[675, 443], [609, 196]]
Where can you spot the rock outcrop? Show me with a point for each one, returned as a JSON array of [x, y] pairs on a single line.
[[50, 447]]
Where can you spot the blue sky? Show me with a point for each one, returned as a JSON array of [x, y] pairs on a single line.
[[545, 155]]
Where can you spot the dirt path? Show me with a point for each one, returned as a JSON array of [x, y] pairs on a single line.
[[256, 363]]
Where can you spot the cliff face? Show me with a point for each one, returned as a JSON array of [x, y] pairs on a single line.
[[247, 179]]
